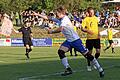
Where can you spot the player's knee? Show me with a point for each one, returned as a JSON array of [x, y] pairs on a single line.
[[27, 46], [89, 56], [61, 54]]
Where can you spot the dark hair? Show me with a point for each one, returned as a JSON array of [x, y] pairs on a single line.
[[89, 9], [27, 21]]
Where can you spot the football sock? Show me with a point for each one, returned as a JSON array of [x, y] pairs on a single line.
[[88, 61], [30, 50], [75, 52], [65, 62], [27, 50], [112, 50], [95, 63], [107, 47], [71, 52]]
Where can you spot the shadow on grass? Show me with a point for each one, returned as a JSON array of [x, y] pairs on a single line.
[[38, 70]]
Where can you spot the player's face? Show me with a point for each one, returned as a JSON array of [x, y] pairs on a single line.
[[28, 24], [58, 15], [91, 13]]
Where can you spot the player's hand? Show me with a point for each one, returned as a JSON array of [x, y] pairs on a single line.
[[90, 32], [49, 30]]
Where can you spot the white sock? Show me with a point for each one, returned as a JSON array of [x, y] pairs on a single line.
[[65, 62], [95, 63]]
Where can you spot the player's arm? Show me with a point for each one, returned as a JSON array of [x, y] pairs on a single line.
[[87, 31], [83, 28], [83, 25], [31, 34], [58, 30], [42, 16], [16, 31], [99, 34], [48, 18]]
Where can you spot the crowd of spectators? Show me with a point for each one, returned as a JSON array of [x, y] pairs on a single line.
[[105, 17]]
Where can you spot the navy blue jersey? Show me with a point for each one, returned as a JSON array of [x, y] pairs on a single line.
[[26, 31]]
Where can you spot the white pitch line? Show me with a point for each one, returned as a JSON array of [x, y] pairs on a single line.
[[45, 75], [2, 61], [58, 73]]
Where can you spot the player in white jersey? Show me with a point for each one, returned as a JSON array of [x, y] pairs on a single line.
[[72, 41]]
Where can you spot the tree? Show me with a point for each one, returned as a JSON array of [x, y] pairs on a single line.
[[20, 5]]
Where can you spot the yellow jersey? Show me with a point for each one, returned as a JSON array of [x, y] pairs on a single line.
[[91, 23], [75, 28], [110, 34]]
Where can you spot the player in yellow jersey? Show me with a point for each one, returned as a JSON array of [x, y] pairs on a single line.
[[110, 36], [90, 26]]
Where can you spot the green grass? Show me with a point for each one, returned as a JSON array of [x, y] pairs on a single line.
[[44, 63]]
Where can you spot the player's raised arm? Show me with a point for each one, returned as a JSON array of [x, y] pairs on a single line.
[[58, 30], [16, 31], [42, 16], [48, 18]]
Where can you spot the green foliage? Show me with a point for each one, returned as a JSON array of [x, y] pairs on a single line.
[[20, 5]]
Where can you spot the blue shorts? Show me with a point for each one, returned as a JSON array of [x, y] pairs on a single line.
[[77, 44]]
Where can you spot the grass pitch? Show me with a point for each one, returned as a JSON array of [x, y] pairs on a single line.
[[44, 64]]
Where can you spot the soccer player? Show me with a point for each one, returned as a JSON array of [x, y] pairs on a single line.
[[75, 52], [72, 41], [110, 36], [75, 29], [90, 26], [27, 37]]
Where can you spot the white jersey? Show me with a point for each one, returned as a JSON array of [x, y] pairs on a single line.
[[68, 29]]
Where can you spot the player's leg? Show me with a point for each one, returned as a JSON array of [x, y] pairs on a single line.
[[27, 50], [95, 63], [26, 44], [71, 52], [97, 47], [108, 46], [87, 55], [89, 46], [31, 45], [75, 51], [89, 68], [112, 46], [61, 52], [97, 54]]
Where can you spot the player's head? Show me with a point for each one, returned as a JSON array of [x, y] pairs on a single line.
[[90, 11], [27, 23], [61, 11]]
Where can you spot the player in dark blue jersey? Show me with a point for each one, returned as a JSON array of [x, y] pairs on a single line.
[[27, 37]]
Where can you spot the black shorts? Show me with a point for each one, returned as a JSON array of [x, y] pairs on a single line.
[[27, 41], [110, 41], [90, 43]]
